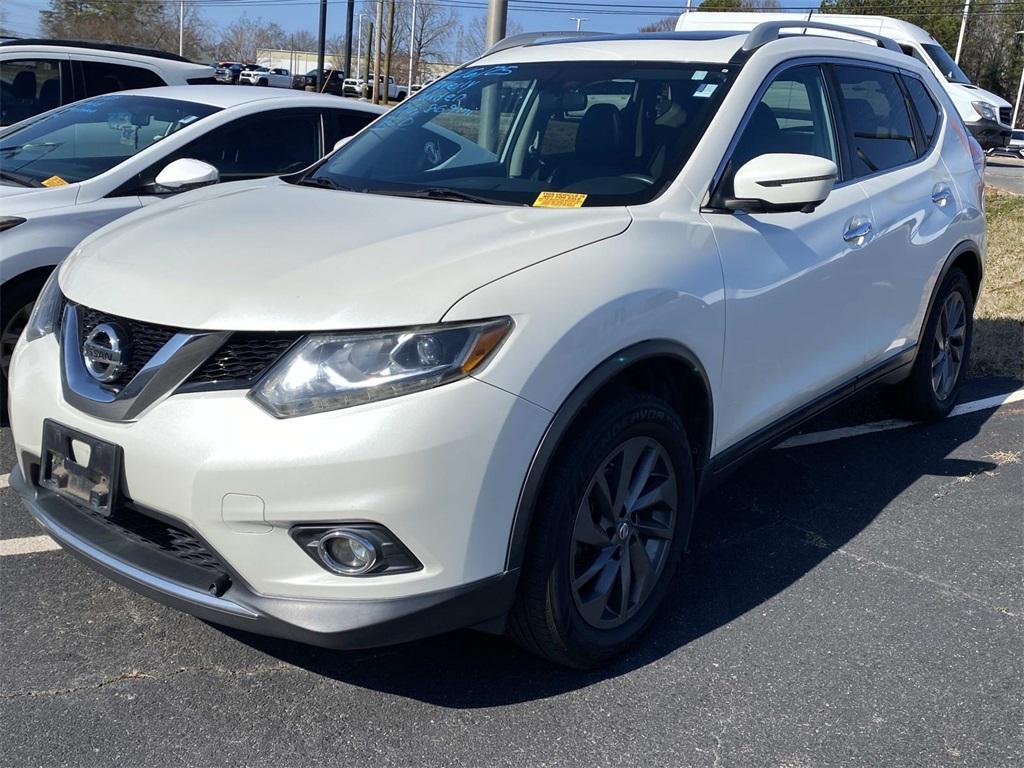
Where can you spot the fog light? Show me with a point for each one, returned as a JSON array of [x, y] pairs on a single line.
[[347, 552], [354, 549]]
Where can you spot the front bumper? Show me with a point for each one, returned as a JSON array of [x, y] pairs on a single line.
[[440, 469], [328, 623], [989, 133]]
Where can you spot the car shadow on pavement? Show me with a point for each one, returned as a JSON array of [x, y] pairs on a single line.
[[779, 517]]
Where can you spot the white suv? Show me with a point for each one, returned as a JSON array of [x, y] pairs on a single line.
[[39, 75], [590, 276]]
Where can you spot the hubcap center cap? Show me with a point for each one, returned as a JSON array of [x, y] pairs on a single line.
[[623, 530]]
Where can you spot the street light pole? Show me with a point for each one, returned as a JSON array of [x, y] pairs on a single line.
[[1020, 89], [963, 29], [412, 45], [497, 20], [349, 16], [181, 28], [579, 22], [321, 44]]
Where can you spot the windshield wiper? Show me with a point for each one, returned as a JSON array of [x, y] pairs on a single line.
[[438, 193], [20, 179], [324, 182]]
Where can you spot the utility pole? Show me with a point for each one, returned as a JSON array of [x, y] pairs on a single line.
[[181, 27], [377, 31], [1020, 89], [412, 46], [321, 44], [579, 22], [387, 55], [497, 21], [349, 17], [963, 29]]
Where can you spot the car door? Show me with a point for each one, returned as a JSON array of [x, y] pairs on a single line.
[[268, 143], [891, 125], [791, 280]]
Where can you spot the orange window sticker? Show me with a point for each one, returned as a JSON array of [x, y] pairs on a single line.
[[559, 200], [54, 181]]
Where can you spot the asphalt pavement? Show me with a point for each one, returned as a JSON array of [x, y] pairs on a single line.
[[855, 602], [1005, 173]]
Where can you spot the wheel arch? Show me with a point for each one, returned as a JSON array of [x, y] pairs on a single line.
[[966, 256], [662, 367]]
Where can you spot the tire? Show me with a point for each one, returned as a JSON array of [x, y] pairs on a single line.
[[16, 301], [569, 624], [932, 388], [263, 83]]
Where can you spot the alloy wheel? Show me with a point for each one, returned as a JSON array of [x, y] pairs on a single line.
[[948, 345], [623, 532]]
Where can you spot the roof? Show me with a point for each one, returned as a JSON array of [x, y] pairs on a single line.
[[94, 46], [161, 60], [897, 29], [226, 96], [709, 45]]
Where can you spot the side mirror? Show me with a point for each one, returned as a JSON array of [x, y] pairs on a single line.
[[186, 173], [341, 142], [782, 182]]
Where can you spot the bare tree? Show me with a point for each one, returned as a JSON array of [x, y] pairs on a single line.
[[472, 37], [666, 24], [243, 37]]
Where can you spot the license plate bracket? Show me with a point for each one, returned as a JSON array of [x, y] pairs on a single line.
[[80, 468]]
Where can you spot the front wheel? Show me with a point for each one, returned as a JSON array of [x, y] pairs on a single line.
[[942, 361], [16, 302], [607, 533]]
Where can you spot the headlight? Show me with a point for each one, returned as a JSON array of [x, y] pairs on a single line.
[[984, 109], [45, 315], [9, 222], [328, 371]]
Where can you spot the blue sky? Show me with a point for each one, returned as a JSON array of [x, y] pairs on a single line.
[[23, 15]]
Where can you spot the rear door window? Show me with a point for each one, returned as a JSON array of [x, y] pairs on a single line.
[[924, 105], [28, 87], [879, 133], [99, 77]]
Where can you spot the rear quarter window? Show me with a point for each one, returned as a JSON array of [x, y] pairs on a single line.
[[926, 108]]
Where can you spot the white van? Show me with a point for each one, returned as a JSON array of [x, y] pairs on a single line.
[[986, 115]]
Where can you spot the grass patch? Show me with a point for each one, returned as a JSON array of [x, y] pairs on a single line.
[[999, 317]]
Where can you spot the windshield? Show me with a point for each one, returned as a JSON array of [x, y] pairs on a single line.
[[90, 137], [600, 133], [945, 63]]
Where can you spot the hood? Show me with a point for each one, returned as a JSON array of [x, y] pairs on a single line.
[[267, 255], [974, 93], [17, 200]]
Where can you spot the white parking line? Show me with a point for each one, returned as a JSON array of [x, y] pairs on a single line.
[[32, 544], [27, 546], [828, 435]]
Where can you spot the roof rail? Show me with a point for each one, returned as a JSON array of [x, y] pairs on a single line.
[[153, 52], [530, 38], [768, 31]]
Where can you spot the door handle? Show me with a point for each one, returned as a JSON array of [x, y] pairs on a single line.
[[942, 195], [858, 230]]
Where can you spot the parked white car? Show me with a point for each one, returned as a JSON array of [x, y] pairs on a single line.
[[68, 172], [265, 76], [39, 75], [986, 115], [495, 401], [353, 86]]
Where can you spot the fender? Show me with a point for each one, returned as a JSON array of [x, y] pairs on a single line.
[[967, 246], [566, 414]]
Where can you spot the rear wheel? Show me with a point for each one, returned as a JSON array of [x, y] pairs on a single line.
[[612, 520], [943, 359]]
